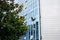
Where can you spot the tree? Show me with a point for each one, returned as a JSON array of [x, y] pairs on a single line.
[[11, 25]]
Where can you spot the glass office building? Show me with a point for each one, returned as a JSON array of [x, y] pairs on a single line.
[[31, 11]]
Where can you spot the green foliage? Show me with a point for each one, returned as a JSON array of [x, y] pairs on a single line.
[[11, 25]]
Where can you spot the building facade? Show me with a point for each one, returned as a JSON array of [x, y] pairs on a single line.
[[31, 13]]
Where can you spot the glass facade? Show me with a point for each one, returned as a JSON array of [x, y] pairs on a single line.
[[31, 13]]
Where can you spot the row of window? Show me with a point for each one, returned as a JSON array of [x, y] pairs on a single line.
[[33, 32], [32, 4], [33, 13], [31, 10]]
